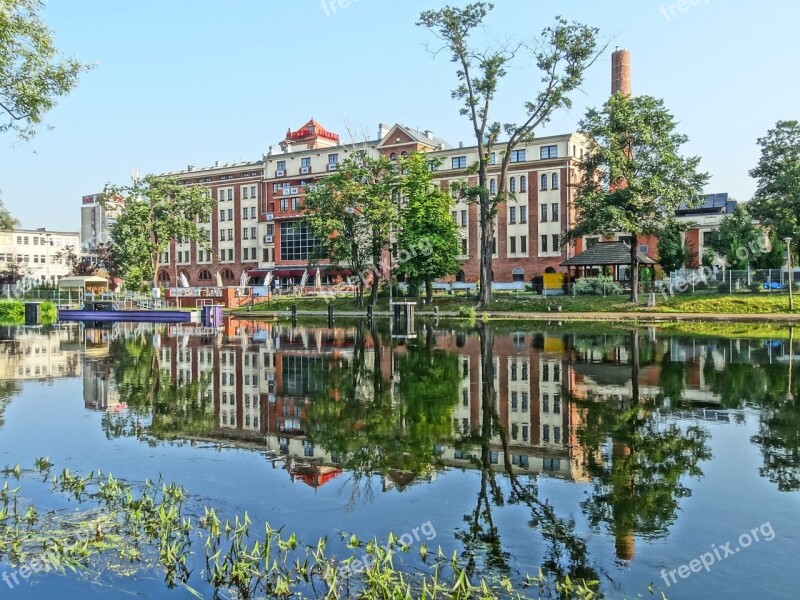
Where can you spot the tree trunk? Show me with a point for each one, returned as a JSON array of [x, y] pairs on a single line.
[[634, 269], [487, 235], [360, 293], [376, 282], [428, 291]]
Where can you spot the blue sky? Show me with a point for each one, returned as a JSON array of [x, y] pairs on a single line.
[[183, 82]]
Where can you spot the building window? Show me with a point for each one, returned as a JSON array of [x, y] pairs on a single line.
[[459, 162], [253, 192], [494, 246], [270, 229], [245, 233], [512, 214], [512, 185], [463, 246], [544, 213], [554, 181], [523, 183], [230, 194], [245, 212], [305, 163], [455, 216], [244, 193], [222, 195], [512, 245], [230, 214], [492, 186], [221, 214], [284, 204], [554, 211], [295, 203], [544, 182], [333, 159], [518, 155], [463, 218], [523, 214], [297, 241], [493, 158], [548, 152], [393, 156], [523, 244], [556, 242], [281, 165], [252, 212], [204, 275], [519, 275], [543, 249], [591, 241]]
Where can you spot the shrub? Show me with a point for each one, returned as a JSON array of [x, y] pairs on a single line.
[[754, 287], [466, 312], [597, 286]]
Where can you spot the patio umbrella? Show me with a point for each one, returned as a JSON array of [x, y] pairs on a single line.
[[244, 279], [219, 280], [304, 278], [268, 279], [318, 280], [183, 281]]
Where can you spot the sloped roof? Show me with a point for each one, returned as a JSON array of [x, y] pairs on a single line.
[[419, 136], [606, 253]]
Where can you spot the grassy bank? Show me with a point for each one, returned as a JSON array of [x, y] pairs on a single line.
[[761, 303]]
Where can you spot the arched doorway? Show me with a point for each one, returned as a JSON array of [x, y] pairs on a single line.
[[204, 276], [461, 278], [549, 270], [227, 275], [517, 274], [163, 277]]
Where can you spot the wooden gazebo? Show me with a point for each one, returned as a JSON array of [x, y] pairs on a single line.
[[605, 254]]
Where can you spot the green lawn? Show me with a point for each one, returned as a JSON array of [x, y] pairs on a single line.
[[745, 303]]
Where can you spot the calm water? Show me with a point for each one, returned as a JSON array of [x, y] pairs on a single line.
[[616, 456]]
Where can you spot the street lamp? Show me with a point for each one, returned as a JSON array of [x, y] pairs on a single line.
[[788, 242]]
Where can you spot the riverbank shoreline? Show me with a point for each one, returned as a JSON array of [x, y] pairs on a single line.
[[629, 317]]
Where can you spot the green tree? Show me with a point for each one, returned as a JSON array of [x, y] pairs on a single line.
[[352, 211], [156, 211], [7, 222], [33, 74], [737, 239], [563, 53], [673, 252], [777, 199], [633, 177], [428, 240], [773, 258]]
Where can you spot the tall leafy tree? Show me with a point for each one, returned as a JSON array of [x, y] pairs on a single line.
[[777, 199], [352, 211], [633, 177], [562, 54], [737, 239], [428, 240], [156, 211], [33, 73], [7, 222], [673, 253]]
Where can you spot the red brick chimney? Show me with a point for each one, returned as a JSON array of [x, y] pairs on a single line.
[[621, 72]]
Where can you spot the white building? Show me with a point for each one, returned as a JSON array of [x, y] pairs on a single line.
[[36, 252]]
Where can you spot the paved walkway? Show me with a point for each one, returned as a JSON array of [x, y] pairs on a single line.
[[649, 317]]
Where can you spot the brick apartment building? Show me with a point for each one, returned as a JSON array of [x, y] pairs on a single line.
[[258, 225]]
